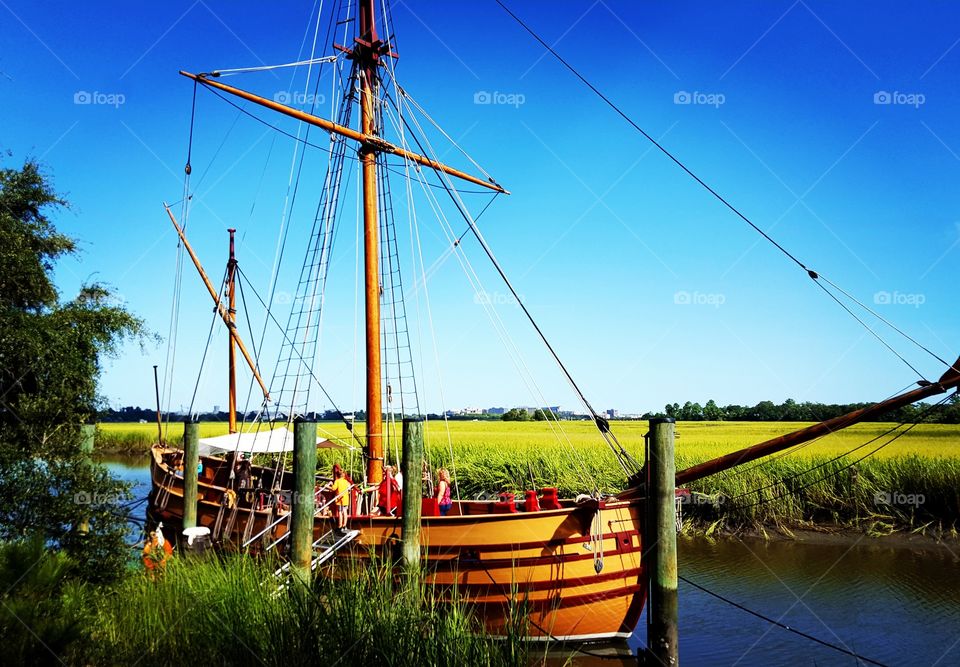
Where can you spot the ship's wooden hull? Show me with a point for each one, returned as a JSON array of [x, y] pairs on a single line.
[[574, 585]]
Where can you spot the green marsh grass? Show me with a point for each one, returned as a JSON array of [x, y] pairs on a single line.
[[229, 612], [494, 456]]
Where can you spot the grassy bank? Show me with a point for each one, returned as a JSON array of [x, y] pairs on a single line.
[[230, 613], [697, 441], [914, 483]]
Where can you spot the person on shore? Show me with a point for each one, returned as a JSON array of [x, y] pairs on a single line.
[[444, 501], [341, 492]]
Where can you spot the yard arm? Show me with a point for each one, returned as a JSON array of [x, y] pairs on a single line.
[[948, 381]]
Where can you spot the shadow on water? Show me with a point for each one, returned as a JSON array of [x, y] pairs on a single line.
[[884, 599]]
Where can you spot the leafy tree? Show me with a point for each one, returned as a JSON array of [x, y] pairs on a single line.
[[50, 361], [712, 411], [516, 415], [765, 411]]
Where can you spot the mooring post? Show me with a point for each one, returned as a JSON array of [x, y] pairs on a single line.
[[191, 458], [302, 505], [88, 434], [412, 470], [661, 546]]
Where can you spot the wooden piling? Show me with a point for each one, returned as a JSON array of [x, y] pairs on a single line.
[[302, 505], [412, 470], [88, 434], [156, 391], [191, 458], [661, 545]]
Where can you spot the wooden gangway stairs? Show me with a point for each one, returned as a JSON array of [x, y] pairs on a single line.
[[324, 548], [330, 544]]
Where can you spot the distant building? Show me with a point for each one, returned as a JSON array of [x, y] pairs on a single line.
[[495, 411], [612, 414]]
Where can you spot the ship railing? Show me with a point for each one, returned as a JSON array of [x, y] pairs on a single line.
[[276, 522], [287, 516]]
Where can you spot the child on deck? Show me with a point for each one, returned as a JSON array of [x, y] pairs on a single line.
[[341, 491]]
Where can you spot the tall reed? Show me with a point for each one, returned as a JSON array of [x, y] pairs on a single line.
[[230, 612]]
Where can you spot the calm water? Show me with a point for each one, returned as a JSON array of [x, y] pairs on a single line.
[[896, 605], [135, 469], [892, 603]]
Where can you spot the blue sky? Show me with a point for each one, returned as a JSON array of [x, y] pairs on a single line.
[[830, 124]]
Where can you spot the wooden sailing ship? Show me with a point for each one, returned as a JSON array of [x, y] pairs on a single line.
[[574, 564]]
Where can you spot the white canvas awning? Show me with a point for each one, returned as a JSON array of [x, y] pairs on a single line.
[[275, 441]]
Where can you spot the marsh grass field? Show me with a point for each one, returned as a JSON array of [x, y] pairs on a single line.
[[231, 611], [910, 483]]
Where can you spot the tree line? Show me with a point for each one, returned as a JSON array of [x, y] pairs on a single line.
[[764, 411], [793, 411]]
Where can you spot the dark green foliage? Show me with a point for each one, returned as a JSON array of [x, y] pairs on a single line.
[[516, 415], [791, 411], [50, 361], [30, 242], [43, 610]]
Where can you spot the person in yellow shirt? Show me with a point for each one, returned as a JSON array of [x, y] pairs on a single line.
[[341, 491]]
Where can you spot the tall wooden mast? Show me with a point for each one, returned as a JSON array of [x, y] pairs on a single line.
[[232, 313], [367, 55]]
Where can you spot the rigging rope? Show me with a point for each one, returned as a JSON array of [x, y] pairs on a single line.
[[813, 274], [626, 461], [206, 348], [869, 328], [491, 312], [265, 68], [283, 332], [889, 323], [839, 470], [766, 461], [779, 624], [293, 181]]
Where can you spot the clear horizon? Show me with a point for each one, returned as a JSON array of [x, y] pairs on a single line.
[[833, 127]]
